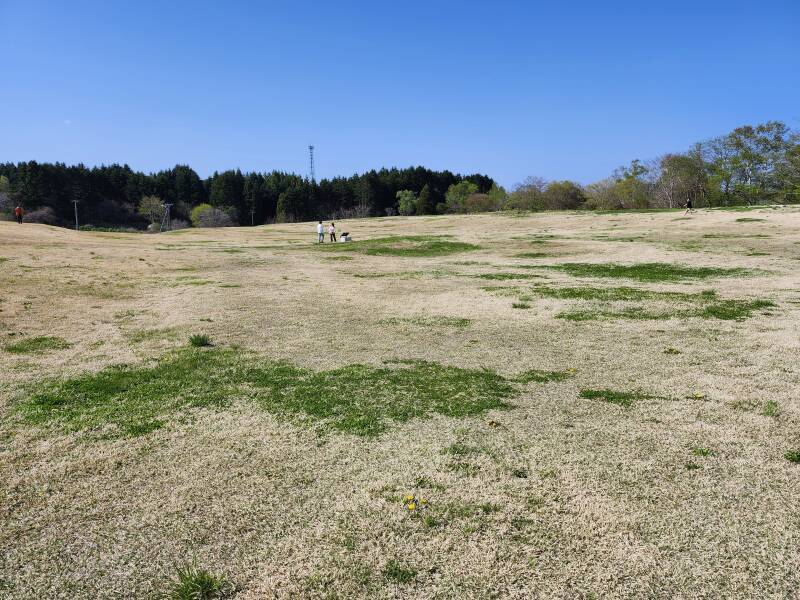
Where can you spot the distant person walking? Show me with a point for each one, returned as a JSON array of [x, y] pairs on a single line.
[[320, 233], [332, 231], [18, 212], [688, 206]]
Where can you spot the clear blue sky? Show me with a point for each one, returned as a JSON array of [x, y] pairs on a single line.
[[511, 89]]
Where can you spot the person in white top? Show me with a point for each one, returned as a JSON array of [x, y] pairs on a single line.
[[320, 233], [332, 231]]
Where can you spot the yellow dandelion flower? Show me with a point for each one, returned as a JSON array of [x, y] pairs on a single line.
[[423, 501], [412, 506], [409, 498]]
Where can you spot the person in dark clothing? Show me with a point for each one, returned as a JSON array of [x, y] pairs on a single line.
[[688, 206], [18, 212]]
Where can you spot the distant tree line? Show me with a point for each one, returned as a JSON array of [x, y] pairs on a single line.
[[750, 165], [117, 196]]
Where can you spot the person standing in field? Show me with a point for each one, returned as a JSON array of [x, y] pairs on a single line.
[[18, 212], [688, 206], [320, 233], [332, 231]]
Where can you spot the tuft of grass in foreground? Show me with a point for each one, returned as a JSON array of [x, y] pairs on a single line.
[[412, 245], [193, 583], [199, 340], [520, 305], [771, 409], [537, 376], [624, 399], [646, 271], [358, 399], [793, 456], [748, 220], [37, 345]]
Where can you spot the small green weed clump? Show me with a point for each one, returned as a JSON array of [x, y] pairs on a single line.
[[520, 305], [543, 376], [199, 340], [624, 399], [397, 572], [700, 451], [793, 456], [37, 345], [193, 583]]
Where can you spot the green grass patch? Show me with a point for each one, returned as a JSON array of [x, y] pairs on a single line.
[[748, 220], [431, 321], [520, 305], [534, 255], [506, 276], [793, 456], [358, 399], [194, 583], [771, 409], [615, 294], [537, 376], [624, 399], [399, 573], [410, 246], [37, 345], [145, 335], [461, 449], [734, 310], [191, 280], [646, 271], [596, 314], [734, 236]]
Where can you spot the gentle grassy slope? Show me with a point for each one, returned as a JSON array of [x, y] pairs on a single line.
[[37, 345], [358, 399]]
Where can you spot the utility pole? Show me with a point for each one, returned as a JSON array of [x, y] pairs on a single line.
[[75, 202], [311, 163], [167, 218]]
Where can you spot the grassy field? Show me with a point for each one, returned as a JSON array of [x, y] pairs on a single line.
[[558, 405]]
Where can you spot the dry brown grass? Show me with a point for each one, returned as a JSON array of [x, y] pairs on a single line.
[[559, 496]]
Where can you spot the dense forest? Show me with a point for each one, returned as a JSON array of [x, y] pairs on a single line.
[[750, 165]]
